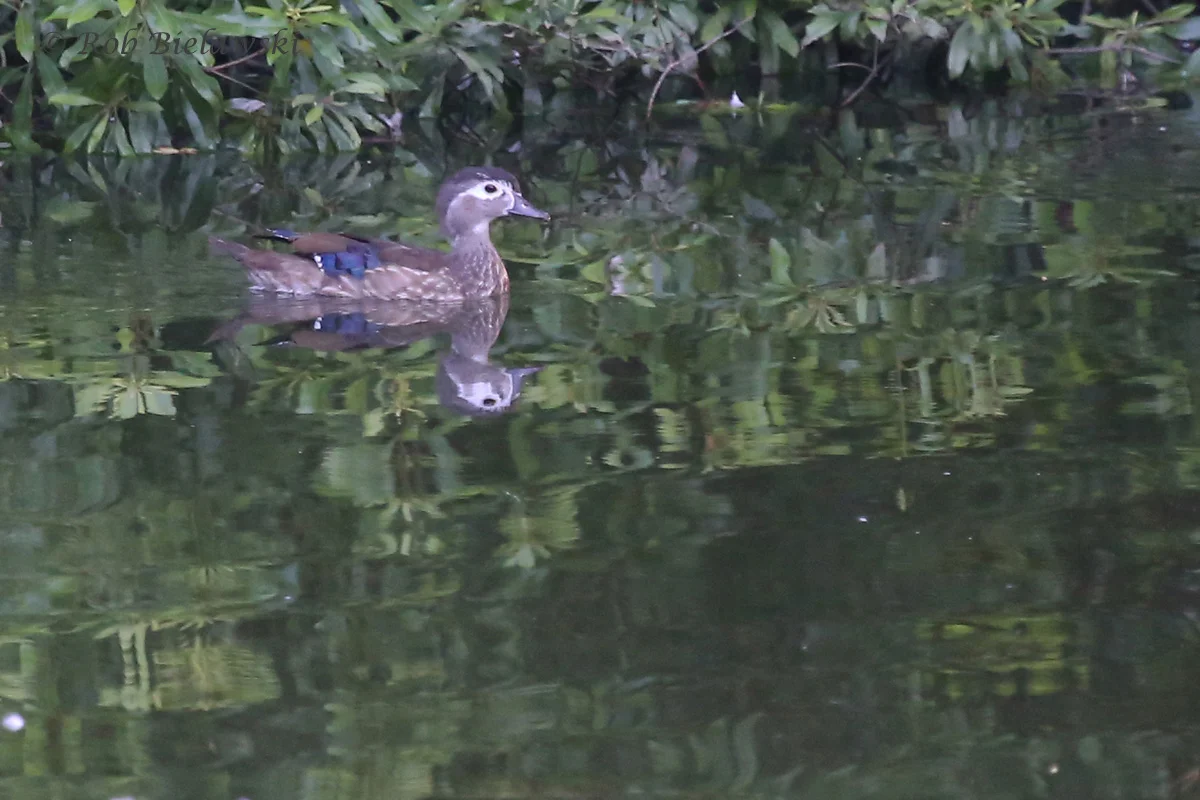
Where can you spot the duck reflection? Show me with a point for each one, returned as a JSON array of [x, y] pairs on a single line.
[[466, 382]]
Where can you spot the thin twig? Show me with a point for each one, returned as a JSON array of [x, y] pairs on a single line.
[[1108, 48], [671, 67], [595, 45], [866, 81], [1153, 56], [1066, 51], [219, 70], [221, 67], [842, 64], [232, 79]]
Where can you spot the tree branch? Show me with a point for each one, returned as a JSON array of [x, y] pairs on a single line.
[[1109, 48], [222, 67], [671, 67], [866, 81]]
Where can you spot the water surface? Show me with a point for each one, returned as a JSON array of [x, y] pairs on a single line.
[[859, 461]]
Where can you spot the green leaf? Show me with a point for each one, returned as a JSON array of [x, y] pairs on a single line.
[[365, 83], [196, 126], [433, 101], [1175, 13], [960, 50], [1105, 22], [993, 50], [83, 11], [340, 141], [684, 17], [70, 212], [402, 84], [1108, 69], [380, 22], [48, 74], [820, 25], [932, 28], [1019, 73], [126, 6], [141, 131], [1192, 67], [1012, 43], [638, 300], [154, 72], [24, 31], [365, 120], [117, 137], [822, 252], [781, 34], [78, 135], [714, 26], [314, 114], [849, 27], [204, 84], [877, 263], [781, 263], [878, 28], [98, 131], [312, 21], [349, 140], [21, 127], [326, 48], [1188, 31], [72, 99]]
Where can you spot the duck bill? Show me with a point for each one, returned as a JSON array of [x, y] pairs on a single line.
[[519, 375], [521, 208]]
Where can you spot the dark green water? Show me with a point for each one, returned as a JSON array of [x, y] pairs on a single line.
[[862, 462]]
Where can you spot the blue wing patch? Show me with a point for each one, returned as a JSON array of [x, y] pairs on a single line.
[[354, 260], [352, 324]]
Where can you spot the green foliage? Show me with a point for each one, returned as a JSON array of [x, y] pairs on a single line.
[[1152, 41], [146, 76]]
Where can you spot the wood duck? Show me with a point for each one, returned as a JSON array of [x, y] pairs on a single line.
[[467, 382], [359, 267]]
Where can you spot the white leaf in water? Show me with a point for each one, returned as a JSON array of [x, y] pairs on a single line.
[[736, 102], [247, 104]]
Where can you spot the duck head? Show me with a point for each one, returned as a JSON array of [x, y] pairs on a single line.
[[472, 197]]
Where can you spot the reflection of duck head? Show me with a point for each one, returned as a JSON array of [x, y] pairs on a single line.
[[466, 382], [477, 388]]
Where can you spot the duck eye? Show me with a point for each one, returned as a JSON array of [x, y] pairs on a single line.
[[490, 188]]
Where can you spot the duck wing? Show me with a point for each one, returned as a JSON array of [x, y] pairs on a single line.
[[345, 253], [349, 273]]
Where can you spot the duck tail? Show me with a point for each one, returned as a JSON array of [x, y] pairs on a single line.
[[278, 235], [226, 247]]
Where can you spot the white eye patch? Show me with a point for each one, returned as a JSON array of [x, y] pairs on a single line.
[[486, 394], [480, 190]]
